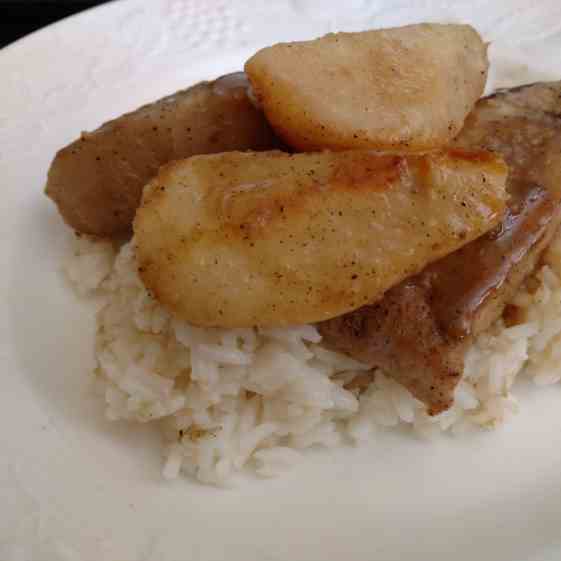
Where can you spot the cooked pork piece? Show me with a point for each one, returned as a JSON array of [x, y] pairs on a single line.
[[419, 331], [97, 180]]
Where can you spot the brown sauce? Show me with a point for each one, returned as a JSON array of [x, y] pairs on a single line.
[[463, 282]]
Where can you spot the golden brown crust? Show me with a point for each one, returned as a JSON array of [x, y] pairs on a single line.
[[273, 239], [407, 88]]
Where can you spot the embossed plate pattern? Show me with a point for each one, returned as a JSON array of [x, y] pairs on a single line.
[[73, 486]]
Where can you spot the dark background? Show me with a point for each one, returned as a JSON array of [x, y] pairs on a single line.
[[20, 17]]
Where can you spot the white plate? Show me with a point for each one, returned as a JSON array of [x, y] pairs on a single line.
[[73, 486]]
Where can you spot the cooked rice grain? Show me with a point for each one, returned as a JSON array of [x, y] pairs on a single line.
[[229, 399]]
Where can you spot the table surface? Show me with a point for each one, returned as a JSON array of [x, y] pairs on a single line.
[[20, 17]]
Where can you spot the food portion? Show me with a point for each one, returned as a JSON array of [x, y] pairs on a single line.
[[407, 88], [272, 239], [404, 271], [257, 399], [97, 181], [420, 331]]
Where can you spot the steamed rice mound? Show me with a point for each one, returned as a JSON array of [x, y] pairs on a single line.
[[228, 399]]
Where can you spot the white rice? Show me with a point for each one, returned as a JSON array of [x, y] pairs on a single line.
[[228, 399]]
